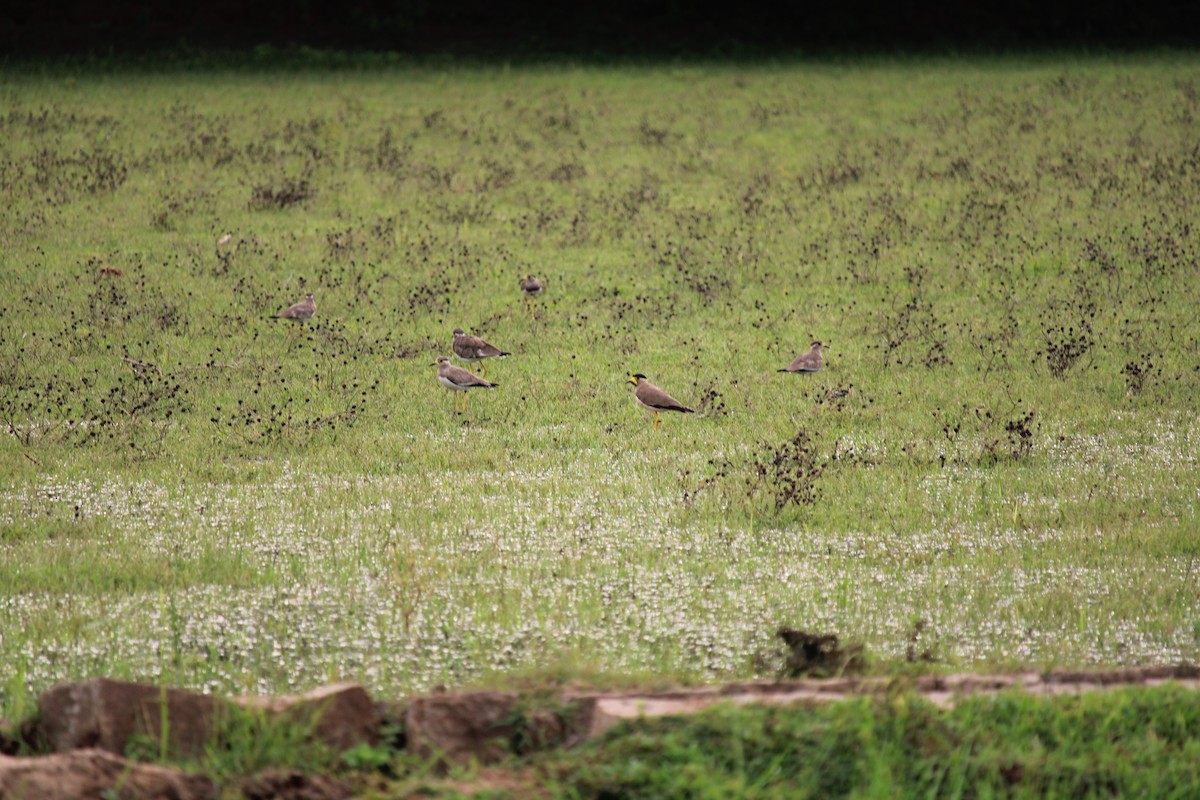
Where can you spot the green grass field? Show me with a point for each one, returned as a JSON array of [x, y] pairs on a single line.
[[995, 468]]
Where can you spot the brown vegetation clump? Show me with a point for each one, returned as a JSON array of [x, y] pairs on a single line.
[[818, 654]]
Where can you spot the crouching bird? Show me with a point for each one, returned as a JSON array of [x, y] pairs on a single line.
[[299, 312], [807, 362]]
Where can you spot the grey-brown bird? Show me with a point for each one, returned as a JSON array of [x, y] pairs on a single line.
[[459, 380], [531, 286], [472, 348], [654, 399], [300, 312], [807, 362]]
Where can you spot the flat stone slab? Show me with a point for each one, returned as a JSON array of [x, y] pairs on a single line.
[[601, 711]]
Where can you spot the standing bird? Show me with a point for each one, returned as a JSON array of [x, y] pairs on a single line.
[[652, 398], [459, 380], [472, 348], [300, 312], [531, 287], [807, 362]]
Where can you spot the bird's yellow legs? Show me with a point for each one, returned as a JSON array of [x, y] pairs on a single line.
[[655, 420]]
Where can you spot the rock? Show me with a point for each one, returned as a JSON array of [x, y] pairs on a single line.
[[590, 719], [292, 784], [345, 714], [461, 727], [483, 727], [105, 714], [89, 774]]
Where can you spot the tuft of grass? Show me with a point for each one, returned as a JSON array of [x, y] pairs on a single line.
[[1127, 743], [248, 741]]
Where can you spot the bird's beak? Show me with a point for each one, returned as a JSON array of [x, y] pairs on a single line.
[[632, 380]]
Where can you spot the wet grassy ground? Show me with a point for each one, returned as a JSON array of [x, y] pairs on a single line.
[[996, 466]]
